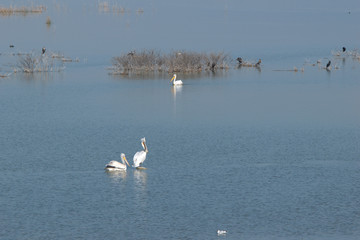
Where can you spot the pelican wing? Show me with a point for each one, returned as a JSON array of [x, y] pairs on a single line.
[[178, 82], [115, 165]]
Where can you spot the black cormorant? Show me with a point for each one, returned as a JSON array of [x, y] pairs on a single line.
[[258, 63], [328, 64], [239, 59]]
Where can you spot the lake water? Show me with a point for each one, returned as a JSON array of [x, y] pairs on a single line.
[[261, 154]]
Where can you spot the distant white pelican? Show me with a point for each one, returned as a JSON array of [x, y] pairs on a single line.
[[115, 165], [176, 82], [140, 157]]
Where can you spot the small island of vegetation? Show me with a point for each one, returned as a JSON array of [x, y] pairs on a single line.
[[176, 61]]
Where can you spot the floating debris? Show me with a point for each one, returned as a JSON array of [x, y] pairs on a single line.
[[70, 59], [5, 75], [48, 21], [105, 7], [21, 10]]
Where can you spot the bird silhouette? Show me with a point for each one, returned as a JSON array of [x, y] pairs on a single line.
[[240, 61], [328, 64], [258, 63]]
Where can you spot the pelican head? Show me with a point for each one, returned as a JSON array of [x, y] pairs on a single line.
[[143, 143], [123, 159], [173, 78]]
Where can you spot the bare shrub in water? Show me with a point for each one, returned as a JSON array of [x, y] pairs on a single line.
[[184, 62], [146, 60], [30, 63], [177, 61], [216, 61], [27, 63]]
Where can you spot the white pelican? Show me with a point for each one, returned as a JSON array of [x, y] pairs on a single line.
[[115, 165], [176, 82], [140, 157], [221, 232]]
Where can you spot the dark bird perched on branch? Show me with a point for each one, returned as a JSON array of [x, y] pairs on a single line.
[[240, 61], [328, 64], [213, 66], [132, 53], [344, 49], [258, 63]]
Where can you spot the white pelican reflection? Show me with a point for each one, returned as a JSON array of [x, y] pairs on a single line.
[[140, 190], [140, 179], [116, 176], [176, 89]]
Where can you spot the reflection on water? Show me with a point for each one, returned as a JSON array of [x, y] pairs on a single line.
[[41, 77], [140, 75], [140, 177], [163, 75], [116, 176], [176, 90], [241, 67]]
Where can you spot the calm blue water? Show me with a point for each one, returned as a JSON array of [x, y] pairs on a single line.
[[262, 154]]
